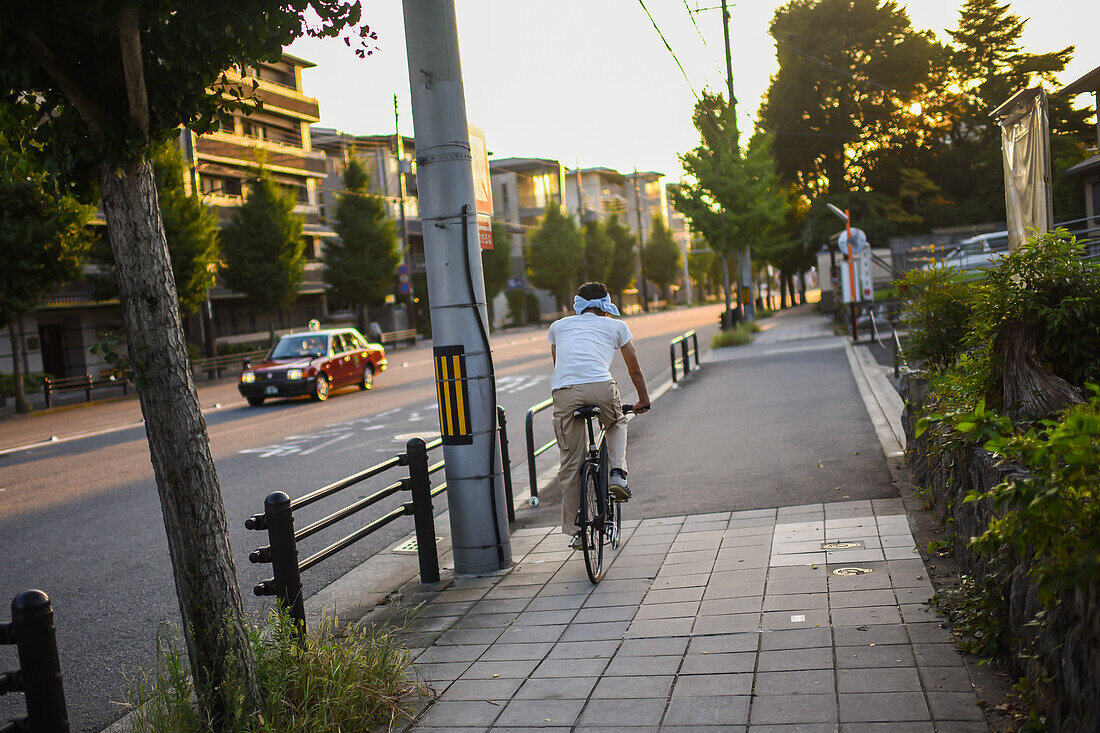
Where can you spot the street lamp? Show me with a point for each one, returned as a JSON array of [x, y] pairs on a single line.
[[851, 268]]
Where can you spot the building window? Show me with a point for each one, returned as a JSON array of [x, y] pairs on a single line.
[[273, 74], [220, 185], [271, 131]]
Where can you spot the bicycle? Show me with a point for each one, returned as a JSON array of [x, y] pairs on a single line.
[[600, 515]]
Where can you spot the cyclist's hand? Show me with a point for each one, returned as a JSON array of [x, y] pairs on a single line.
[[640, 407]]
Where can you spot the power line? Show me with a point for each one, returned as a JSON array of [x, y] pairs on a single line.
[[691, 14], [669, 47], [842, 72]]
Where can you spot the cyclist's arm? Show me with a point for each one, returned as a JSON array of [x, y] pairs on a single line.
[[554, 354], [630, 356]]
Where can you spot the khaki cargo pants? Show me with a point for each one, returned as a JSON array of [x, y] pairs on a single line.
[[573, 438]]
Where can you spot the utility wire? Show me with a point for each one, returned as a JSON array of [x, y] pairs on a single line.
[[843, 72], [691, 14], [669, 47]]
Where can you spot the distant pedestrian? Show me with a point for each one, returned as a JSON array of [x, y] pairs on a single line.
[[374, 332]]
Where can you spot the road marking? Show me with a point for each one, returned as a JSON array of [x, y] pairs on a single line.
[[316, 448]]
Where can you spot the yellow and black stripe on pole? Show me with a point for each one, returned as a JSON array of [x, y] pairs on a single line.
[[453, 394]]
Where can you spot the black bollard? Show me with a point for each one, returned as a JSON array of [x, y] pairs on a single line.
[[420, 485], [40, 669], [284, 557]]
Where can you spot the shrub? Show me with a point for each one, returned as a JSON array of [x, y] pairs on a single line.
[[937, 316], [737, 336], [337, 679]]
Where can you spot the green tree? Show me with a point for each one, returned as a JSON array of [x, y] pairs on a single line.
[[599, 250], [42, 244], [624, 257], [662, 256], [554, 254], [732, 199], [839, 98], [190, 230], [263, 248], [360, 265], [111, 81], [496, 265]]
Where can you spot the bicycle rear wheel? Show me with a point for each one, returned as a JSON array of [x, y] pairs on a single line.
[[593, 519]]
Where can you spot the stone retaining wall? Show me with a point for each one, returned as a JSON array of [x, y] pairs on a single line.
[[1069, 646]]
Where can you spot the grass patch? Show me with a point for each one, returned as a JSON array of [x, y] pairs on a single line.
[[764, 313], [738, 336], [339, 679]]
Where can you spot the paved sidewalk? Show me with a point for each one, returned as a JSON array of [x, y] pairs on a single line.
[[796, 618]]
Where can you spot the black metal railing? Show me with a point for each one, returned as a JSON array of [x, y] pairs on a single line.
[[680, 343], [87, 383], [532, 452], [278, 520], [39, 675]]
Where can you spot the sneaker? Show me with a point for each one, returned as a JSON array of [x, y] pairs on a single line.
[[575, 542], [617, 485]]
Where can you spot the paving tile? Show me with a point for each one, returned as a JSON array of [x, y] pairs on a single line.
[[724, 643], [787, 660], [854, 557], [452, 595], [710, 685], [603, 630], [571, 668], [492, 689], [556, 688], [954, 706], [499, 605], [676, 580], [908, 727], [531, 634], [653, 646], [724, 710], [523, 713], [633, 666], [648, 686], [553, 603], [514, 591], [628, 598], [796, 586], [887, 655], [801, 682], [912, 613], [729, 564], [859, 598], [627, 712], [434, 624], [440, 672], [591, 649], [660, 627], [453, 653], [797, 572], [794, 710], [429, 609], [487, 670], [747, 575], [604, 613], [866, 616], [692, 556], [871, 707], [723, 606], [446, 713], [914, 595], [793, 728], [796, 602], [687, 609], [796, 639], [929, 633], [545, 618], [936, 655], [946, 679], [868, 635], [673, 595], [750, 589], [732, 623], [505, 652], [878, 679], [485, 621], [718, 663], [784, 620]]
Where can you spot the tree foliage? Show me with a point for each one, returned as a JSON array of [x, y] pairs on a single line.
[[624, 256], [554, 254], [263, 247], [496, 263], [360, 265], [190, 229], [662, 255], [599, 250]]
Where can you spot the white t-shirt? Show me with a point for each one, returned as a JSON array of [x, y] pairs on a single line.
[[585, 346]]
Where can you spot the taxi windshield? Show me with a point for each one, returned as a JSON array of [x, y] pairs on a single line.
[[294, 347]]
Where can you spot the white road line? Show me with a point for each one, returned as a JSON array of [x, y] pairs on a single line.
[[316, 448]]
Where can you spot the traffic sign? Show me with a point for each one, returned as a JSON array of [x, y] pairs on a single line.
[[859, 241]]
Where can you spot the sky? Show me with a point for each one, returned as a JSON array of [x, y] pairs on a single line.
[[590, 83]]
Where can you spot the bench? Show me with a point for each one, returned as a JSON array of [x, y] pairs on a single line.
[[408, 335]]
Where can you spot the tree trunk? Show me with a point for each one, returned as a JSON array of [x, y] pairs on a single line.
[[190, 495], [21, 405], [1027, 390], [726, 289], [271, 328]]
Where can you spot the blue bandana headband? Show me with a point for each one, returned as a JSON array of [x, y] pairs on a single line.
[[580, 305]]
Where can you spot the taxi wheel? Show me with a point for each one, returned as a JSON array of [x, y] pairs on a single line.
[[368, 377], [255, 401], [320, 389]]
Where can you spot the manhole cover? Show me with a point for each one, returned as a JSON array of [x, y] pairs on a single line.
[[837, 545], [410, 546], [852, 571]]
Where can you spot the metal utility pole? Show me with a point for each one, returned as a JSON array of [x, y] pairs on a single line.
[[399, 147], [641, 242], [744, 274], [463, 362]]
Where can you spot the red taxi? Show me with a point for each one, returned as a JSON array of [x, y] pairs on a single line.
[[313, 363]]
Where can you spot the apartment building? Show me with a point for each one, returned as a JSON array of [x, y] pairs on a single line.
[[57, 337]]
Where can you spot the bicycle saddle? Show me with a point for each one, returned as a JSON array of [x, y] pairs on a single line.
[[586, 411]]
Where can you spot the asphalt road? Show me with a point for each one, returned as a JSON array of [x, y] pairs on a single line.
[[79, 517]]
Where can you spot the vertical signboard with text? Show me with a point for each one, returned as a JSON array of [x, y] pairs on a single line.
[[483, 187]]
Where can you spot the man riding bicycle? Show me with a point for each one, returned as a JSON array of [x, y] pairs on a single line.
[[582, 347]]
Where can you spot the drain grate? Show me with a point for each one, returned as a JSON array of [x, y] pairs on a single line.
[[852, 571], [842, 545], [410, 546]]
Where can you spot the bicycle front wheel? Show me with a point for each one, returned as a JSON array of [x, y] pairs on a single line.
[[593, 518]]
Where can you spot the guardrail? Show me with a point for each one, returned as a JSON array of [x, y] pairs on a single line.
[[214, 366], [684, 361], [87, 383], [532, 452], [278, 520], [39, 675], [407, 335]]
